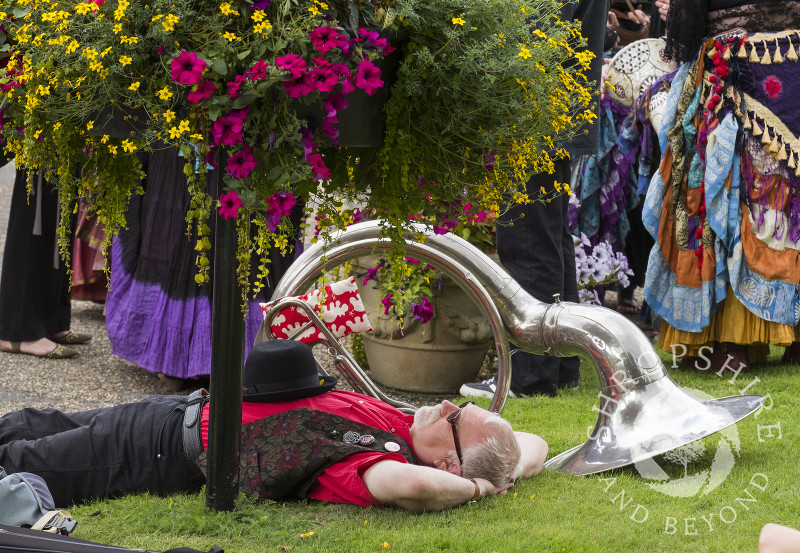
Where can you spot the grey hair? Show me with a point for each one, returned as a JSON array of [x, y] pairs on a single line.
[[497, 458]]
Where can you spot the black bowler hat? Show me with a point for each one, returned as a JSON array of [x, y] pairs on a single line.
[[282, 370]]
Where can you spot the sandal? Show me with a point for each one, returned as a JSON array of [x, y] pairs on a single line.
[[59, 352], [792, 353], [72, 338]]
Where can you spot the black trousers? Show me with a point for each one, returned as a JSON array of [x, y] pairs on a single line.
[[34, 286], [538, 251], [100, 453]]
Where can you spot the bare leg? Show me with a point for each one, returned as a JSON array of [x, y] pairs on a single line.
[[775, 538]]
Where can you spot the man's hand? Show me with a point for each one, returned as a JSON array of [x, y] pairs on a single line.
[[418, 488], [663, 9]]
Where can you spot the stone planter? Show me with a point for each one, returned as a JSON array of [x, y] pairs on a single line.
[[437, 357]]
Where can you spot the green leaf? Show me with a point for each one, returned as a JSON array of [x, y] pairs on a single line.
[[19, 14], [213, 113], [244, 100], [242, 55], [219, 66]]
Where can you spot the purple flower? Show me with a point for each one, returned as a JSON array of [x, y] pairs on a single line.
[[292, 63], [186, 68], [327, 38], [201, 91], [422, 311], [372, 274], [229, 204], [272, 219], [368, 77], [242, 163], [259, 5]]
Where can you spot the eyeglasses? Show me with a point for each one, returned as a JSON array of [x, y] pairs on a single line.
[[453, 419]]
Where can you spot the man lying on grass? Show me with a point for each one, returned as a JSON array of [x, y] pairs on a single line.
[[300, 439]]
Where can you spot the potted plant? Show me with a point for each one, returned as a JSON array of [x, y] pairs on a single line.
[[482, 90], [598, 266], [429, 334]]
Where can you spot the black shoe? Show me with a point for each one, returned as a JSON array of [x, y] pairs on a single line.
[[571, 384], [484, 389]]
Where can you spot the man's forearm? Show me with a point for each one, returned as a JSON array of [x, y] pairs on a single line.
[[417, 488]]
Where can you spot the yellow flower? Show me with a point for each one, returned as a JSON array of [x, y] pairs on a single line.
[[135, 86], [169, 115], [197, 137], [458, 21], [307, 535], [169, 23], [174, 132], [184, 126], [386, 545], [89, 53], [89, 125], [524, 53], [128, 145], [117, 28], [104, 139], [165, 93], [73, 46], [262, 27], [314, 10], [112, 149], [125, 60], [257, 15], [43, 90], [128, 39], [230, 36], [96, 65], [104, 52], [225, 8], [83, 9]]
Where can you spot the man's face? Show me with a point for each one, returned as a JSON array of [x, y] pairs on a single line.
[[432, 434]]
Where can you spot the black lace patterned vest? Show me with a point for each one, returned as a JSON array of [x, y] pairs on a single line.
[[281, 455]]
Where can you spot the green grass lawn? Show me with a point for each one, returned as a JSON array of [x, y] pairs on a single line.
[[618, 511]]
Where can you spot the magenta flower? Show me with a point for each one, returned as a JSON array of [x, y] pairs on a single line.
[[387, 303], [372, 274], [229, 204], [227, 130], [235, 85], [298, 88], [272, 219], [368, 77], [187, 68], [258, 71], [322, 79], [202, 91], [333, 103], [372, 39], [260, 5], [411, 260], [422, 311], [328, 128], [242, 163], [282, 203], [318, 166], [292, 63], [327, 38]]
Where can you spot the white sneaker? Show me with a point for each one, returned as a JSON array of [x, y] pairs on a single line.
[[482, 389]]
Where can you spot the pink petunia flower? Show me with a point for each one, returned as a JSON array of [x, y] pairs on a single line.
[[242, 163], [387, 303], [187, 68], [97, 3], [292, 63], [258, 71], [318, 166], [202, 91], [368, 77], [372, 39], [227, 130], [282, 203], [298, 88], [422, 311], [322, 79], [235, 85], [229, 204], [327, 38]]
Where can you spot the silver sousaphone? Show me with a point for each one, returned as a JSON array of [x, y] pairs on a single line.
[[643, 412]]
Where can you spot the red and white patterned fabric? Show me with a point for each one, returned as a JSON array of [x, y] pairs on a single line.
[[339, 306]]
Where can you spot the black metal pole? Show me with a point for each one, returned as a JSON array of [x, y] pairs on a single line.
[[227, 359]]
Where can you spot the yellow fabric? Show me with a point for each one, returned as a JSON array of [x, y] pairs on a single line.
[[733, 322]]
